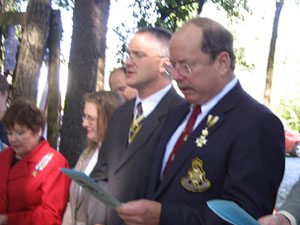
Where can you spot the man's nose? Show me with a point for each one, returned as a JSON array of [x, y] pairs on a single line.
[[128, 61], [178, 76]]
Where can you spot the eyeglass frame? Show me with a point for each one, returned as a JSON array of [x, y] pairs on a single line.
[[183, 69]]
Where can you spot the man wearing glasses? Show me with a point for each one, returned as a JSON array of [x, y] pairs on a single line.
[[134, 130], [221, 144]]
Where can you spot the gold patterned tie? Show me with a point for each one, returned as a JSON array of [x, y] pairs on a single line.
[[136, 124]]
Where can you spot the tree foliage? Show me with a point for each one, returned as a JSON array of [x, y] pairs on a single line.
[[289, 112], [66, 4], [171, 14], [11, 6]]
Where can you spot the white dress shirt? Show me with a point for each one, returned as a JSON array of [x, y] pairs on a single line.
[[204, 111]]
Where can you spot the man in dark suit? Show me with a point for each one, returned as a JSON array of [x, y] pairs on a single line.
[[222, 144], [124, 161], [288, 213]]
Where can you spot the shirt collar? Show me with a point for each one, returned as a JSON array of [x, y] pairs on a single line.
[[205, 108], [150, 103]]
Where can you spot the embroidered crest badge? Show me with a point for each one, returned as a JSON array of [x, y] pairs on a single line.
[[195, 181]]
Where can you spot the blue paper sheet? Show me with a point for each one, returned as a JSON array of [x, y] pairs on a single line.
[[92, 187], [231, 212]]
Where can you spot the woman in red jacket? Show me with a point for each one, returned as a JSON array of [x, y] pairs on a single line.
[[32, 189]]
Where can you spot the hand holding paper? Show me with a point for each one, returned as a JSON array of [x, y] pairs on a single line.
[[92, 187]]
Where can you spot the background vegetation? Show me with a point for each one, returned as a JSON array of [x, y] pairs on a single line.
[[89, 57]]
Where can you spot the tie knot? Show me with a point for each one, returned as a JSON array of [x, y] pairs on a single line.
[[139, 109], [196, 110], [136, 122], [189, 127]]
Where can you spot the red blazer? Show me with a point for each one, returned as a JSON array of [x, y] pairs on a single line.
[[33, 191]]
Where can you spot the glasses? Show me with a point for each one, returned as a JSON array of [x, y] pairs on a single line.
[[181, 68], [89, 119]]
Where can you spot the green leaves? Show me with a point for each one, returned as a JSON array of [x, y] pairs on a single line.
[[171, 14], [289, 110], [67, 4]]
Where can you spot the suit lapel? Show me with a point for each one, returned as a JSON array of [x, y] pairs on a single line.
[[180, 114], [149, 126], [125, 116], [189, 147]]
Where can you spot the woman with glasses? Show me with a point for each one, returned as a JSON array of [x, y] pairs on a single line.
[[98, 109]]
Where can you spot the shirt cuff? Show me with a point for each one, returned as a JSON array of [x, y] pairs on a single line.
[[290, 217]]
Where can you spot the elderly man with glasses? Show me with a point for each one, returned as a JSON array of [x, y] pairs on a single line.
[[221, 144]]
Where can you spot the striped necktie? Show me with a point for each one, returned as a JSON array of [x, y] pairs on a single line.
[[184, 136], [137, 121]]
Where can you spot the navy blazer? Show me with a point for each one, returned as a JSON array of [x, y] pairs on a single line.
[[242, 160]]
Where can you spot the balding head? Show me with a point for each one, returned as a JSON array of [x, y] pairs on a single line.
[[117, 82]]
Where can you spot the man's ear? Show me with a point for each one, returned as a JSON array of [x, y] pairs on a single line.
[[223, 62], [164, 61]]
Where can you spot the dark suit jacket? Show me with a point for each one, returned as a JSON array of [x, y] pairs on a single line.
[[243, 159], [127, 169]]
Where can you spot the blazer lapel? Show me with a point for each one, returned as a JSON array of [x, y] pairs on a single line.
[[127, 120], [150, 123], [181, 113]]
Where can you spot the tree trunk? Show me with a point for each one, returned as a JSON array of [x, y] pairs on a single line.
[[269, 75], [32, 49], [86, 62], [53, 106]]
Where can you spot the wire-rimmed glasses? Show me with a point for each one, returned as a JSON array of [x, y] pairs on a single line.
[[181, 68]]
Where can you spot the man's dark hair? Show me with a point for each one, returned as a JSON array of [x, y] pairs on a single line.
[[158, 32], [162, 36]]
